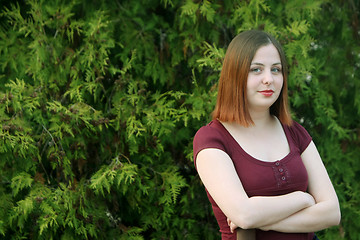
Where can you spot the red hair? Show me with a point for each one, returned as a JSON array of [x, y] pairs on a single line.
[[231, 105]]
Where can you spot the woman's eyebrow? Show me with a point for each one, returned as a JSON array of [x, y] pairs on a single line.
[[256, 63], [261, 64]]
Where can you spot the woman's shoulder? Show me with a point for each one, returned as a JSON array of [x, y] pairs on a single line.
[[211, 129], [297, 128], [299, 134], [209, 136]]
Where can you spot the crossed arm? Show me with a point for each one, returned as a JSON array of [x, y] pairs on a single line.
[[294, 212]]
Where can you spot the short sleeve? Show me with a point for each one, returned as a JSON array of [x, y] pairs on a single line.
[[300, 136], [207, 137]]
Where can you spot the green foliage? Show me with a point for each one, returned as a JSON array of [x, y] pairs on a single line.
[[99, 101], [21, 181]]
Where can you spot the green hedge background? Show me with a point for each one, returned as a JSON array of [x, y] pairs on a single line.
[[100, 100]]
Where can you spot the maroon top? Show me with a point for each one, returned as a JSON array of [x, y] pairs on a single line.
[[259, 178]]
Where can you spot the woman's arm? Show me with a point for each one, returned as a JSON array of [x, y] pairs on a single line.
[[218, 174], [326, 212]]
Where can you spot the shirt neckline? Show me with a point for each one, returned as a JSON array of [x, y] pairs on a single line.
[[256, 160]]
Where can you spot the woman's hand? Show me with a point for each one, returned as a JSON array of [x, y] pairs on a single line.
[[241, 234], [232, 225], [311, 199]]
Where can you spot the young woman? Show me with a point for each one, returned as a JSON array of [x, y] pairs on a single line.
[[260, 168]]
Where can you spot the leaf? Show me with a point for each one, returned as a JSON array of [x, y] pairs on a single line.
[[102, 180], [189, 9], [207, 11], [213, 57], [19, 214], [2, 228], [173, 182], [21, 181], [298, 27], [48, 218]]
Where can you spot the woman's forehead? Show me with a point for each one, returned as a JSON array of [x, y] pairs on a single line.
[[267, 54]]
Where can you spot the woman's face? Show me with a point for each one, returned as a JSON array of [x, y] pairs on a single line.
[[265, 79]]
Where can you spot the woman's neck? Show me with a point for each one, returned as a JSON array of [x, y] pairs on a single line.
[[263, 122], [261, 119]]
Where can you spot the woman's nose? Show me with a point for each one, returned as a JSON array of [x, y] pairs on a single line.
[[268, 78]]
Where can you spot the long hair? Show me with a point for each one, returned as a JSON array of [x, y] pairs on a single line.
[[232, 105]]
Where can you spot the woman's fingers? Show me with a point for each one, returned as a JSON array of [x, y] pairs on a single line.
[[231, 225]]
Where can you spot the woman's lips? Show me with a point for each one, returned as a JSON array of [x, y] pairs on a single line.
[[267, 93]]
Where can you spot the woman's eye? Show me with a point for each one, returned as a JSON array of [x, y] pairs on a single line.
[[255, 70], [276, 70]]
